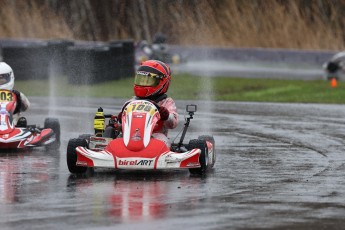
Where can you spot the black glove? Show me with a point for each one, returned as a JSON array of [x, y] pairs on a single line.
[[164, 113], [19, 101], [16, 92]]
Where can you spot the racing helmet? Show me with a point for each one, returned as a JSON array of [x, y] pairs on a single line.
[[152, 79], [6, 76]]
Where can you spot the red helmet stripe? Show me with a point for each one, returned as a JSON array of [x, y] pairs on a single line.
[[155, 66], [166, 68]]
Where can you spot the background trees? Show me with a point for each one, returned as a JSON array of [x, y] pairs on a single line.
[[304, 24]]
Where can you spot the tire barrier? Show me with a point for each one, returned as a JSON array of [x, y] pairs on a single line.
[[88, 64], [28, 59], [116, 66], [123, 55], [80, 62], [58, 62]]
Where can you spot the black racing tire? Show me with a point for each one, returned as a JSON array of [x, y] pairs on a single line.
[[210, 139], [85, 136], [109, 132], [54, 124], [203, 159], [72, 155]]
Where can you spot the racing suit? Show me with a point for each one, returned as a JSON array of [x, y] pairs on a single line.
[[170, 123], [162, 132], [22, 105]]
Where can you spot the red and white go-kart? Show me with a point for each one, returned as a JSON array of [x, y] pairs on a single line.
[[21, 135], [135, 149]]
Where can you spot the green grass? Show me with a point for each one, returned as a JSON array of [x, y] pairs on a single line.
[[186, 86]]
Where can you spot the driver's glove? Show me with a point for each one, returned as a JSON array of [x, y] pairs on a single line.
[[16, 92], [19, 101], [164, 112]]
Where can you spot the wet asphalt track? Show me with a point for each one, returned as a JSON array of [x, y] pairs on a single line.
[[279, 166]]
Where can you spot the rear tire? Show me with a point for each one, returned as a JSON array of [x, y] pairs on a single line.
[[210, 139], [203, 158], [72, 155], [54, 124]]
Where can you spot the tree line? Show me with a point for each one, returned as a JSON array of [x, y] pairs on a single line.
[[302, 24]]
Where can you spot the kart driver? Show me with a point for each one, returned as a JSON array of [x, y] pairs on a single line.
[[335, 67], [151, 82], [7, 83]]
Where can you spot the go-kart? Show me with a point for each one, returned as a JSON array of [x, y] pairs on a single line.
[[145, 51], [131, 146], [21, 135]]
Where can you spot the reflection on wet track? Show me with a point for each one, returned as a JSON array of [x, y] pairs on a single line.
[[279, 166]]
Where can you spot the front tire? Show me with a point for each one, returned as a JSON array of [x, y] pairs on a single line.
[[210, 139], [72, 155], [54, 124], [203, 158]]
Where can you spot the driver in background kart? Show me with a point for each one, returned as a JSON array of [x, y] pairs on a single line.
[[152, 82], [7, 83], [335, 67]]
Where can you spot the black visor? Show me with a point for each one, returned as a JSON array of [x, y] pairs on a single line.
[[5, 78]]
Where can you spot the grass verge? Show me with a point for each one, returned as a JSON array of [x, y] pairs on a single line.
[[186, 86]]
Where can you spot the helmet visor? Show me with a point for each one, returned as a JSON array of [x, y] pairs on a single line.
[[147, 79], [5, 78]]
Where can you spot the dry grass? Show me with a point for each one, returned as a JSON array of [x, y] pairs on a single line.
[[29, 19], [266, 23], [299, 24]]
